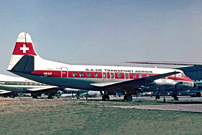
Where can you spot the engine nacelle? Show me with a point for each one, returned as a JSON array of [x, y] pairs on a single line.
[[167, 82], [184, 85], [161, 84], [164, 84], [170, 85]]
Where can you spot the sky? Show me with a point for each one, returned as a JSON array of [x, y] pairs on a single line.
[[102, 32]]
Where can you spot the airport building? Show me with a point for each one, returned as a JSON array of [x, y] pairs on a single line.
[[194, 72]]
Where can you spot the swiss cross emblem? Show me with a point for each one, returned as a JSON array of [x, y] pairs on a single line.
[[24, 48]]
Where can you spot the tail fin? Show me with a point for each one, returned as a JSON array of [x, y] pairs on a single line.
[[23, 47]]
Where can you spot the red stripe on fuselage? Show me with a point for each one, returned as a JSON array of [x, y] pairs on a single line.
[[70, 74]]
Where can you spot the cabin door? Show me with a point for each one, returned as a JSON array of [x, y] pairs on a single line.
[[64, 74]]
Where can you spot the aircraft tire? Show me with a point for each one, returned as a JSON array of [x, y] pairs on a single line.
[[176, 98], [34, 96], [50, 97], [157, 97], [128, 98], [77, 96], [105, 97]]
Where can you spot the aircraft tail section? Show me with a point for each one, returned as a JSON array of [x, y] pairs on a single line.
[[23, 53]]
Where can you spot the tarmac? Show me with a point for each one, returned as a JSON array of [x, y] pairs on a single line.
[[185, 104], [180, 107]]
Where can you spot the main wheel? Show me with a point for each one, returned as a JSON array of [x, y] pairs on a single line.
[[34, 96], [105, 97], [175, 98], [77, 96], [129, 98], [157, 97]]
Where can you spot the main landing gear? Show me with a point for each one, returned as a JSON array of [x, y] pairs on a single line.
[[35, 95], [157, 96], [174, 95], [105, 96], [128, 97], [77, 95]]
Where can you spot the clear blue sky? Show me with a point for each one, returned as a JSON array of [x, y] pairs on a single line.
[[104, 32]]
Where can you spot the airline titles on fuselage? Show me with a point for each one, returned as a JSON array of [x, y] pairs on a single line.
[[118, 70]]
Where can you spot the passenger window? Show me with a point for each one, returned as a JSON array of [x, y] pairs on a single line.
[[140, 75], [81, 74], [104, 75], [112, 75], [134, 76], [126, 75], [119, 75], [74, 74], [96, 74], [88, 74]]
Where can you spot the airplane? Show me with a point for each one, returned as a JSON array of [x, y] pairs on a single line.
[[11, 86], [27, 63], [6, 93]]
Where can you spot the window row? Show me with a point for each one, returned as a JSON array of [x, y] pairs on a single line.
[[30, 83], [104, 75]]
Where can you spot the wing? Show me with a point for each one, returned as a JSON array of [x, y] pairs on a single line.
[[4, 92], [189, 66], [43, 88], [166, 63], [136, 83], [71, 90]]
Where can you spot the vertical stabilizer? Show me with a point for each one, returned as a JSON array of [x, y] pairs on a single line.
[[23, 46]]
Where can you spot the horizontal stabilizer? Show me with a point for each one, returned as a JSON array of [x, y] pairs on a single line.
[[4, 92]]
